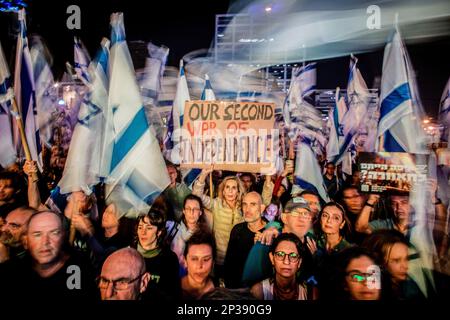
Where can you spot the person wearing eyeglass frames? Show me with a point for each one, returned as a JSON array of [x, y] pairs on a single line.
[[123, 276], [286, 255]]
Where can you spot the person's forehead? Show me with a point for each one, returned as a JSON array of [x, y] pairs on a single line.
[[18, 215], [360, 264], [231, 182], [351, 191], [44, 221], [250, 197], [332, 210], [287, 246], [398, 249], [399, 198], [310, 197], [200, 250], [119, 267], [192, 203], [300, 210], [171, 169], [6, 182]]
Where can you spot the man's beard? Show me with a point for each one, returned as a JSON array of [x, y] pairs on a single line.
[[7, 238]]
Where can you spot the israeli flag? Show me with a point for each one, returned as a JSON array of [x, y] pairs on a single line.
[[444, 111], [176, 118], [153, 73], [335, 117], [7, 151], [208, 93], [44, 81], [24, 91], [81, 61], [308, 175], [82, 169], [137, 171], [399, 126]]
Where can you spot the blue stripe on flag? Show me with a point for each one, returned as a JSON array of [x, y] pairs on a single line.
[[130, 137], [5, 85], [390, 144], [149, 93], [305, 185], [394, 99], [191, 176]]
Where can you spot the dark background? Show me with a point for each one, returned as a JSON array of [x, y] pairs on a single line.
[[185, 26]]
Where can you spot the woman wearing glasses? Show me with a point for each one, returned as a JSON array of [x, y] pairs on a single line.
[[285, 255], [192, 220], [354, 276]]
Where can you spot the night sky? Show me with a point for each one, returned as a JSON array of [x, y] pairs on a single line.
[[189, 25]]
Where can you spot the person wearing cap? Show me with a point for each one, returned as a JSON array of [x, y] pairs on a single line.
[[296, 219]]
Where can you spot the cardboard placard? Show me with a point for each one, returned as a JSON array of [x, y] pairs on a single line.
[[391, 171], [234, 136]]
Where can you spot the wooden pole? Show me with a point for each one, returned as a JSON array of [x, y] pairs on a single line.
[[211, 194], [72, 227], [18, 116]]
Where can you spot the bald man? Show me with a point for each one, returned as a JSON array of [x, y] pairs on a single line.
[[12, 233], [123, 276], [242, 238], [50, 272]]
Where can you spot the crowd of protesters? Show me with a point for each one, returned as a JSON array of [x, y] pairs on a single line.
[[256, 236]]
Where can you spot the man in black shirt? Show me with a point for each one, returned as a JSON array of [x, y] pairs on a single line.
[[242, 238], [50, 272]]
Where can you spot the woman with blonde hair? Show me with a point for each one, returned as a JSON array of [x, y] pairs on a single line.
[[225, 211]]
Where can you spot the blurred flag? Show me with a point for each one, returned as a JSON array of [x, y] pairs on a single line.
[[7, 151], [357, 100], [191, 175], [308, 175], [24, 91], [208, 93], [82, 169], [335, 117], [137, 171], [176, 117], [399, 128], [81, 61], [43, 79], [153, 73], [444, 112]]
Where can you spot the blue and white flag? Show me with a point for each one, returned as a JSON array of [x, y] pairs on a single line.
[[43, 78], [137, 171], [81, 61], [335, 117], [7, 151], [24, 91], [444, 112], [82, 169], [357, 99], [308, 175], [399, 128], [176, 118], [208, 93], [153, 73]]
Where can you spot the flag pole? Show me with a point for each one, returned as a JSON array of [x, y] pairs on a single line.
[[26, 148]]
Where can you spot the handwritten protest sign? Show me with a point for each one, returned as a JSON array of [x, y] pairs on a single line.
[[391, 171], [235, 136]]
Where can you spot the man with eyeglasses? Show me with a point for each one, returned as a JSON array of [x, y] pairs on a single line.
[[123, 276], [297, 219]]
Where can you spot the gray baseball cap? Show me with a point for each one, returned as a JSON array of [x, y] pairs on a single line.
[[295, 203]]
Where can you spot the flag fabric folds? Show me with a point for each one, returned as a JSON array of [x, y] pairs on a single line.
[[444, 112], [24, 92], [81, 61], [82, 170], [7, 151], [398, 113], [44, 81], [137, 171], [308, 175]]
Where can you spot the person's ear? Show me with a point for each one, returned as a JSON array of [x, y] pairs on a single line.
[[283, 217], [342, 224], [144, 282], [25, 241], [263, 207], [271, 258]]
